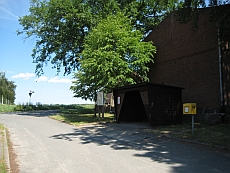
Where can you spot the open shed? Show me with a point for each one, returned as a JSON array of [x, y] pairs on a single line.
[[147, 102]]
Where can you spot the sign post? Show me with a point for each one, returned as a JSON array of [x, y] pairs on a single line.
[[100, 103], [190, 108]]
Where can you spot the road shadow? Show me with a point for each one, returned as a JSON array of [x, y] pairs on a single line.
[[180, 156], [40, 113]]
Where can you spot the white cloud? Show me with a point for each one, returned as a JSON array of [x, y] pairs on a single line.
[[24, 76], [6, 14], [57, 80], [41, 79]]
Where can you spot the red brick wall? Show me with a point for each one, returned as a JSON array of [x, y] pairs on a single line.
[[188, 59]]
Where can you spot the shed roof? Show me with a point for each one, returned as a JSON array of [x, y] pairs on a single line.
[[144, 84]]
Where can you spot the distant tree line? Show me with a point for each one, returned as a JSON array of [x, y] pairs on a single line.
[[7, 90]]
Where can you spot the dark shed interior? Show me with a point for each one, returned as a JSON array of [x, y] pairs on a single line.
[[133, 109], [148, 102]]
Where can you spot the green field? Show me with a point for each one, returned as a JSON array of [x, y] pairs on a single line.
[[82, 114]]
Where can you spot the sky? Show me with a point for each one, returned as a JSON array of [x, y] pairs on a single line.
[[17, 63]]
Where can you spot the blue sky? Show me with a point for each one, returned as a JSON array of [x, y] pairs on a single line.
[[16, 62]]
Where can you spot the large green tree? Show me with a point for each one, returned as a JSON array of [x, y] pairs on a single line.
[[7, 90], [60, 26], [113, 55]]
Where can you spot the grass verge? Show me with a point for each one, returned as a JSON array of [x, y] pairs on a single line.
[[82, 114], [3, 167], [213, 135]]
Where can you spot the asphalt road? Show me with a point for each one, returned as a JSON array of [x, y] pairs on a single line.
[[44, 145]]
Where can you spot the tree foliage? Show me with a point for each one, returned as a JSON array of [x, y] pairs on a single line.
[[113, 56], [7, 90], [60, 26]]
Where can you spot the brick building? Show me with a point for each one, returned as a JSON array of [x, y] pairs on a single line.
[[190, 59]]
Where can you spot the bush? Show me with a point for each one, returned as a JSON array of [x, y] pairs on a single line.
[[29, 107], [7, 108]]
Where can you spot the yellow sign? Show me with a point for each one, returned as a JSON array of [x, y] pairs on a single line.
[[189, 108]]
